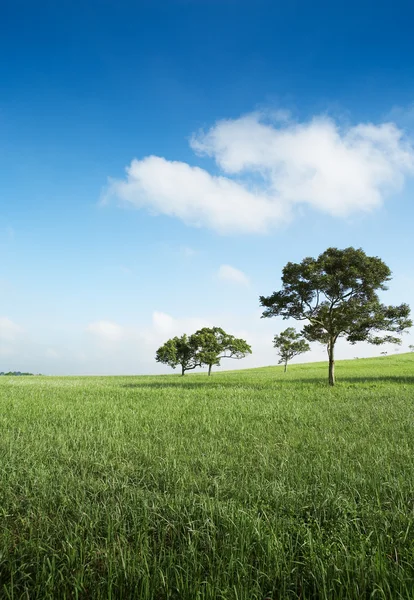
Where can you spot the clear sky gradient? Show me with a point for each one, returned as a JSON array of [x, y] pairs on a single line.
[[161, 161]]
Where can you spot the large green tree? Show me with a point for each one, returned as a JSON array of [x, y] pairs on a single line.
[[289, 343], [214, 343], [337, 294], [179, 351]]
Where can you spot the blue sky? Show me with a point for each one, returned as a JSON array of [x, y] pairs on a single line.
[[260, 133]]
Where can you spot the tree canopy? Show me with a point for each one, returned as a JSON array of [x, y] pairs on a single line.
[[206, 346], [289, 344], [336, 294], [179, 351], [214, 344]]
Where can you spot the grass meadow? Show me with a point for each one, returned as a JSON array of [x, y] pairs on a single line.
[[246, 485]]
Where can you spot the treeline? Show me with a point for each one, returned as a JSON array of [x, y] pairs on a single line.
[[17, 374]]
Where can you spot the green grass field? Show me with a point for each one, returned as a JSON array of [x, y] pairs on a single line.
[[246, 485]]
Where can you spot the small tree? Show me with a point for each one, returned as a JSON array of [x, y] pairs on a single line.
[[179, 351], [336, 294], [411, 347], [214, 343], [289, 344]]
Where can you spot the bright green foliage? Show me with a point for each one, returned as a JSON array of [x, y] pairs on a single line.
[[214, 344], [289, 344], [179, 351], [205, 347], [249, 485], [337, 294]]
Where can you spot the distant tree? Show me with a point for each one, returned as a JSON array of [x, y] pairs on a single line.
[[411, 347], [16, 374], [336, 294], [179, 351], [383, 353], [289, 344], [214, 343]]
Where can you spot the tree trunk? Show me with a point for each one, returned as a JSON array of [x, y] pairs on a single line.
[[285, 366], [182, 371], [331, 348], [209, 369]]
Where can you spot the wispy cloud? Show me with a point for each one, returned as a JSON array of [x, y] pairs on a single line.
[[229, 273], [7, 233], [269, 168], [106, 330], [164, 324], [125, 270], [188, 252], [9, 331], [403, 116]]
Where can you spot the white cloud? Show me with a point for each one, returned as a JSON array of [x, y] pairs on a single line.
[[269, 168], [196, 197], [106, 330], [315, 162], [165, 325], [9, 331], [161, 327], [229, 273]]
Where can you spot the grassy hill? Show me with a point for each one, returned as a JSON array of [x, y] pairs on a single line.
[[247, 485]]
